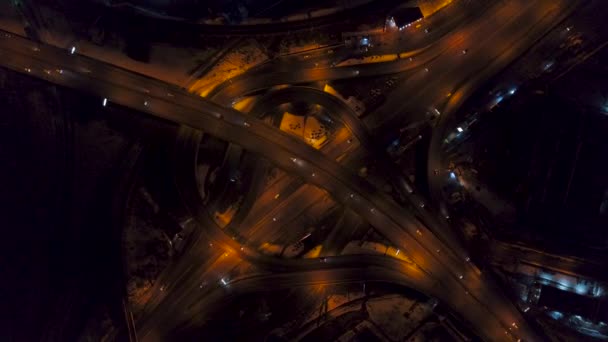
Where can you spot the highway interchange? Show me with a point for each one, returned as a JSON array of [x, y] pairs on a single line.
[[437, 264]]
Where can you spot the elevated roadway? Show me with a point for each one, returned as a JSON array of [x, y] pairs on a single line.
[[415, 43], [340, 112], [486, 57], [492, 313]]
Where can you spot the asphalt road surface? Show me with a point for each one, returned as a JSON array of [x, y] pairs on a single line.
[[480, 302]]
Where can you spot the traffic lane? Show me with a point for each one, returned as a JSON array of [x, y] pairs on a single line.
[[440, 29], [321, 57], [196, 315], [195, 259], [340, 112], [282, 215], [186, 292], [138, 99], [65, 61], [314, 205], [262, 231], [476, 63], [294, 265], [342, 145], [200, 252], [525, 31], [172, 278], [545, 21], [378, 68], [315, 263], [272, 197], [209, 275], [440, 24], [119, 76], [191, 271], [168, 111], [277, 212], [434, 156], [507, 53], [337, 110], [258, 171], [286, 158], [245, 84], [144, 102], [301, 265], [217, 271], [226, 173], [199, 281], [445, 71], [388, 272], [287, 185]]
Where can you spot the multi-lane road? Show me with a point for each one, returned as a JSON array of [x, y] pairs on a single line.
[[440, 267], [488, 54], [414, 42]]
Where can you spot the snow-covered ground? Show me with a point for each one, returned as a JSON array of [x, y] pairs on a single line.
[[234, 63]]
